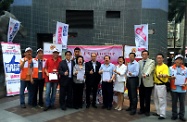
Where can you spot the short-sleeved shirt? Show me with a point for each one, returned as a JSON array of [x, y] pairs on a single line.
[[178, 88], [162, 70], [108, 68], [52, 65]]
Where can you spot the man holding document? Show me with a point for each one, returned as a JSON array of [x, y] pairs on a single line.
[[107, 71], [178, 81], [51, 70], [66, 81]]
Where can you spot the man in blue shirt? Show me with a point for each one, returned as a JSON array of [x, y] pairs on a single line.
[[132, 83], [106, 70]]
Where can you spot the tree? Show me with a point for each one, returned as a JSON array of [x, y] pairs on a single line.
[[5, 5], [177, 12]]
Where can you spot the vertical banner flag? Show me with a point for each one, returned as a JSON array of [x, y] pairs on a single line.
[[13, 28], [11, 58], [62, 34], [141, 37]]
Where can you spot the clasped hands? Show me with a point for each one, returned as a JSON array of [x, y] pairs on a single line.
[[162, 76]]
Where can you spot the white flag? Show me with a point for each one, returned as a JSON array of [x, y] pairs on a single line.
[[141, 37], [62, 34], [13, 28]]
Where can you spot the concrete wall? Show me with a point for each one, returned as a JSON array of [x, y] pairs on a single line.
[[40, 16]]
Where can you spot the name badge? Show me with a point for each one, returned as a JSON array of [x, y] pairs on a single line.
[[40, 71], [54, 70]]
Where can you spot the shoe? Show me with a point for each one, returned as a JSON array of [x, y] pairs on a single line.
[[119, 109], [174, 118], [94, 106], [109, 108], [155, 114], [141, 112], [76, 107], [69, 106], [46, 108], [182, 119], [116, 108], [128, 109], [34, 107], [147, 114], [53, 107], [41, 105], [132, 113], [87, 106], [161, 118], [63, 108], [103, 107], [23, 106]]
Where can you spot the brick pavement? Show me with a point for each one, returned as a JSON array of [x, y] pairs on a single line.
[[71, 115]]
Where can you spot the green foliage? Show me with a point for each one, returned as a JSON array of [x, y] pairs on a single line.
[[176, 10], [5, 5]]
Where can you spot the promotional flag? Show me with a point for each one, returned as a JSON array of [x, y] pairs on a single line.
[[62, 34], [141, 37], [13, 28]]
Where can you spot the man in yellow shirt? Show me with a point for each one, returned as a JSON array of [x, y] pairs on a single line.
[[160, 79]]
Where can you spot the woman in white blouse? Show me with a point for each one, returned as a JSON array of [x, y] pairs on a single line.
[[120, 72]]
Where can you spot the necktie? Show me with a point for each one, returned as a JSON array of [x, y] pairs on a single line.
[[40, 65], [144, 63]]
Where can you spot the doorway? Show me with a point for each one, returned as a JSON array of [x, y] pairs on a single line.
[[44, 37]]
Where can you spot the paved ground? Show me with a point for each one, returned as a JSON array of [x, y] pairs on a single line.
[[10, 111]]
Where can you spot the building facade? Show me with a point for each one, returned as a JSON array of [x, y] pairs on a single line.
[[93, 22], [174, 41]]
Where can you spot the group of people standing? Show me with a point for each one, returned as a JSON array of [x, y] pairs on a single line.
[[73, 74], [147, 75]]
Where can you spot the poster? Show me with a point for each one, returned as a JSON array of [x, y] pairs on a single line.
[[141, 37], [11, 58], [128, 49], [13, 28], [113, 51], [62, 34], [48, 49]]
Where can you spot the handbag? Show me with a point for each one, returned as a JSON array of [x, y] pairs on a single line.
[[167, 83], [168, 88]]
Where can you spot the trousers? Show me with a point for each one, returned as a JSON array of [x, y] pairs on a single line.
[[160, 100]]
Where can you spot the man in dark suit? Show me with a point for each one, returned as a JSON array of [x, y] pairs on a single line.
[[92, 79], [66, 81]]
